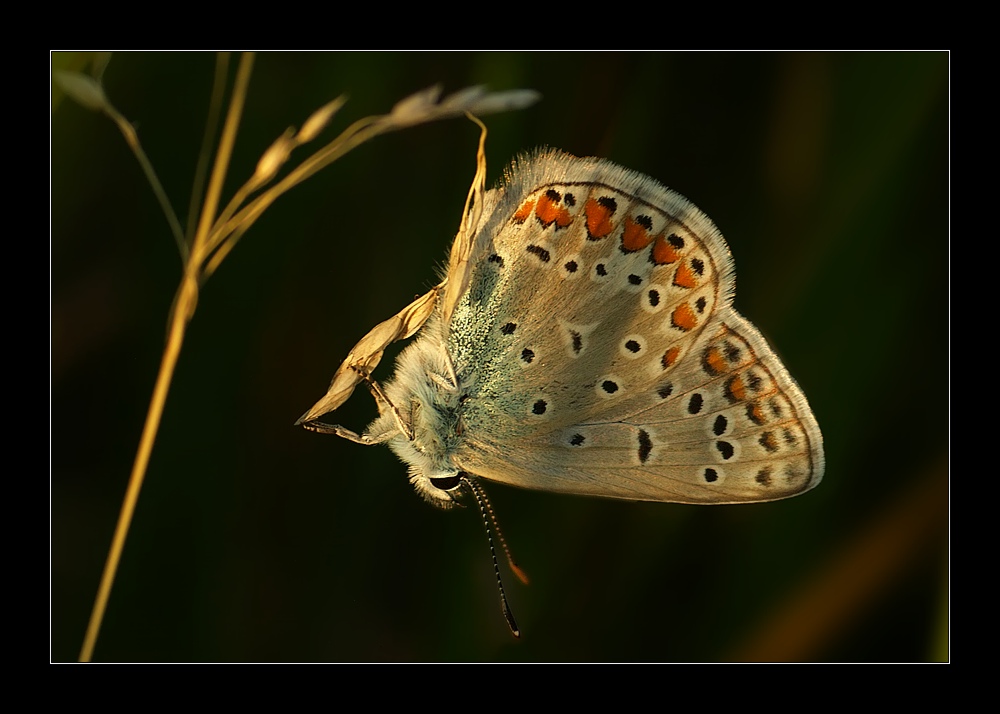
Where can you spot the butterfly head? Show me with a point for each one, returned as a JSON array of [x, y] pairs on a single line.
[[426, 424], [436, 480]]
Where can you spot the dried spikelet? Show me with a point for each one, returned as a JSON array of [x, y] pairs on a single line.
[[319, 119]]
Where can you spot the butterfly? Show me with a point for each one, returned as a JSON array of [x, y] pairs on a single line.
[[583, 340]]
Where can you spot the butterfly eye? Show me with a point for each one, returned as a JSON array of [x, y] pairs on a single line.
[[446, 483]]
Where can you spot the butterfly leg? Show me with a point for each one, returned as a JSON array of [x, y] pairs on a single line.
[[383, 403], [368, 352], [345, 433]]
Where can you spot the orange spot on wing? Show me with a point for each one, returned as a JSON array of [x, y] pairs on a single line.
[[684, 317], [663, 252], [715, 362], [524, 211], [549, 212], [736, 390], [598, 219], [635, 237], [670, 356], [685, 277]]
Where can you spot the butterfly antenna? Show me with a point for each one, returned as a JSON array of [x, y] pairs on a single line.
[[483, 500], [487, 513]]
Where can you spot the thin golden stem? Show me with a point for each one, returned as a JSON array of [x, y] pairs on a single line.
[[182, 312], [200, 248], [211, 126], [132, 139], [226, 234], [187, 296]]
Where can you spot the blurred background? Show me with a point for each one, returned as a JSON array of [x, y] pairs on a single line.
[[255, 540]]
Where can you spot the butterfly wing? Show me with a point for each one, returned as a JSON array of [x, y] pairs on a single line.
[[602, 355]]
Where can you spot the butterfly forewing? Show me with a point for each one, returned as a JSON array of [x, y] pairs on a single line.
[[603, 355]]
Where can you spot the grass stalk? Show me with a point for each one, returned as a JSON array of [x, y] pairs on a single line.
[[187, 295], [184, 306]]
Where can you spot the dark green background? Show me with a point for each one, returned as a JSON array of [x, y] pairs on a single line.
[[258, 541]]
